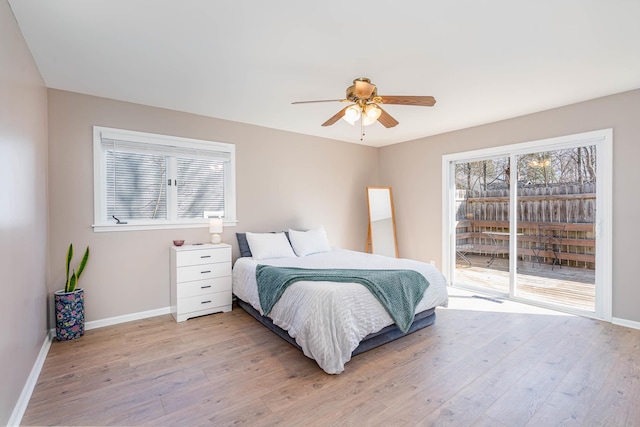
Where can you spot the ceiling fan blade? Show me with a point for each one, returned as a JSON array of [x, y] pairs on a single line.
[[335, 117], [363, 89], [324, 100], [386, 120], [423, 101]]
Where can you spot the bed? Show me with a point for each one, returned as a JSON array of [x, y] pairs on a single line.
[[329, 321]]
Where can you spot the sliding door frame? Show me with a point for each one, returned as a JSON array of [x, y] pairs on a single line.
[[603, 140]]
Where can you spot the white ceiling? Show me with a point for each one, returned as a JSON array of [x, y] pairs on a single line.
[[247, 61]]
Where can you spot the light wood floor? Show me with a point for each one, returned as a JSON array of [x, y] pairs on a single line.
[[482, 363]]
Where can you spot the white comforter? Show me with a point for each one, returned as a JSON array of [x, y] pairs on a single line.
[[327, 319]]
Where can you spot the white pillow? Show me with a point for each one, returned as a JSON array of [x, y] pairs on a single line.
[[309, 242], [269, 245]]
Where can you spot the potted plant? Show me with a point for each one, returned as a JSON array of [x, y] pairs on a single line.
[[69, 302]]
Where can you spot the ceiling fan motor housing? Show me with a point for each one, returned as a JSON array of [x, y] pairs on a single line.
[[362, 90]]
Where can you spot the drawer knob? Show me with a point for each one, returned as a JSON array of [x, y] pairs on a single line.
[[205, 256], [205, 287], [205, 302], [203, 272]]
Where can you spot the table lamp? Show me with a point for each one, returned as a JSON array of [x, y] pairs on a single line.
[[215, 227]]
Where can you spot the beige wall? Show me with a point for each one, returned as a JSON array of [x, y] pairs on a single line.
[[23, 212], [283, 180], [415, 172]]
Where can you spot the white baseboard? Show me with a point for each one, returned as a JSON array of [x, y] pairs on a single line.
[[27, 390], [126, 318], [625, 322]]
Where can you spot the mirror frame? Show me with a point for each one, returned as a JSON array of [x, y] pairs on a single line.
[[370, 244]]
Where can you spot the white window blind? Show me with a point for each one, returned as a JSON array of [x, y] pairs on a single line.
[[136, 185], [148, 179], [200, 187]]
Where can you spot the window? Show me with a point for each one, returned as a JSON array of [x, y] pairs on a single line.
[[153, 181]]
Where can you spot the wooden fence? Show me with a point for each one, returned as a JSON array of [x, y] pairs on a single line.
[[572, 205]]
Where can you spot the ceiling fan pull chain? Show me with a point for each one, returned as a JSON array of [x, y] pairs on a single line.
[[361, 130]]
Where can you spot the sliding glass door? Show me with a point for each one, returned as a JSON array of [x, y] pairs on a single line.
[[482, 224], [556, 199], [531, 222]]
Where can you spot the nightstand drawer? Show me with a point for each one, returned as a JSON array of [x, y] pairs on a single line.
[[204, 256], [201, 287], [202, 272], [204, 302]]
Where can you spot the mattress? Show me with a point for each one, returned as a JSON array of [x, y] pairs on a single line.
[[328, 320]]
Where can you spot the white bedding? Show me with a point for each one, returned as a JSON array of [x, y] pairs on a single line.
[[327, 319]]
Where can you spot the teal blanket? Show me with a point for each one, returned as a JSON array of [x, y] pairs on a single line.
[[399, 291]]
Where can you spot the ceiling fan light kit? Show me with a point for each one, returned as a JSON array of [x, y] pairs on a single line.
[[351, 114], [366, 105], [371, 113]]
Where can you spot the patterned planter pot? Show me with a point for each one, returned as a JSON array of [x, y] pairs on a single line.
[[69, 314]]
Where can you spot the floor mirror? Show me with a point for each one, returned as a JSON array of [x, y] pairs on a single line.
[[381, 238]]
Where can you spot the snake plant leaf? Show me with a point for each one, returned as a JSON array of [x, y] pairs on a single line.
[[69, 256], [73, 281], [83, 263]]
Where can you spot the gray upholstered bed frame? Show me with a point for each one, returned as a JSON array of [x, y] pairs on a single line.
[[385, 335]]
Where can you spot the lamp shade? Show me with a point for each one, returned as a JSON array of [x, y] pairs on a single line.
[[215, 225], [366, 121], [371, 114], [351, 114]]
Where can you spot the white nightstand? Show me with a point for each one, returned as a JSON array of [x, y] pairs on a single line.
[[200, 280]]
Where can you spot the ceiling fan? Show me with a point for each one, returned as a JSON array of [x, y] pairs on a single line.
[[366, 105]]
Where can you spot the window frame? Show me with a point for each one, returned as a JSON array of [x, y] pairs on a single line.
[[175, 144]]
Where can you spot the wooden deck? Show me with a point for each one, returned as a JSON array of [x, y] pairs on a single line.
[[566, 286]]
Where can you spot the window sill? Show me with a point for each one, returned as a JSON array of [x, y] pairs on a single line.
[[107, 228]]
